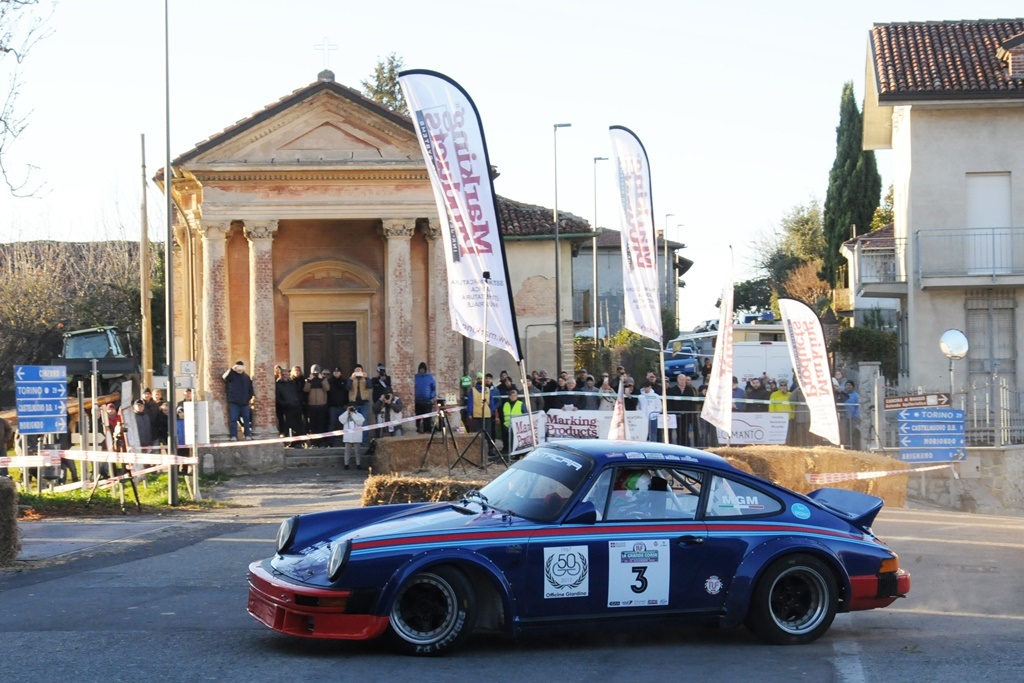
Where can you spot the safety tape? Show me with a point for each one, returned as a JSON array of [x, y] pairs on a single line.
[[324, 435], [161, 459], [110, 481], [49, 459], [836, 477]]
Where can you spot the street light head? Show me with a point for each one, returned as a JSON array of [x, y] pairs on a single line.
[[563, 125], [600, 158]]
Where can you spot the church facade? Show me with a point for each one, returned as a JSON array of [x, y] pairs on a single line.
[[308, 233]]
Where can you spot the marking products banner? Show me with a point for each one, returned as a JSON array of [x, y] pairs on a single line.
[[452, 139]]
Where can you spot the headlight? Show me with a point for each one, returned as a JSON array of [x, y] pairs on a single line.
[[339, 558], [286, 534]]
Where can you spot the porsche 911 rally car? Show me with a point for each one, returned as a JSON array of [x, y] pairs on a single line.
[[581, 532]]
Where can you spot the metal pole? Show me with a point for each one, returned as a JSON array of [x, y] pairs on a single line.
[[172, 430], [144, 286], [558, 259], [665, 273], [597, 339], [483, 380]]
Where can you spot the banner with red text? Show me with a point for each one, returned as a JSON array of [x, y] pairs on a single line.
[[810, 366], [639, 249], [718, 405], [452, 139]]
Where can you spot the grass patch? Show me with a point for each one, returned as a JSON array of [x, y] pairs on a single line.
[[106, 501]]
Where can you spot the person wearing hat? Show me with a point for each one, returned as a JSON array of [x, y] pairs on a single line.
[[337, 401], [316, 387], [359, 397], [424, 395], [239, 394]]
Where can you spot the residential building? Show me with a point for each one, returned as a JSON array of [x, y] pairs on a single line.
[[947, 98]]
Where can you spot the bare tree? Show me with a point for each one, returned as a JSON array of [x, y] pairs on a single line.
[[804, 284], [21, 26]]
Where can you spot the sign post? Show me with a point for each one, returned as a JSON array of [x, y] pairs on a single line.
[[931, 434]]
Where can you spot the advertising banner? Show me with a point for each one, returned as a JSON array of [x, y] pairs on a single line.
[[639, 249], [757, 428], [718, 405], [810, 365], [452, 139]]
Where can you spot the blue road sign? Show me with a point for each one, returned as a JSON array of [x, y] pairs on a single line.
[[932, 441], [39, 394], [937, 428], [932, 455], [931, 415]]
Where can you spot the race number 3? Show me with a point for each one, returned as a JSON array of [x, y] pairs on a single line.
[[638, 573]]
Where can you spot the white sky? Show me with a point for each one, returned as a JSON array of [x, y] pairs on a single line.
[[736, 103]]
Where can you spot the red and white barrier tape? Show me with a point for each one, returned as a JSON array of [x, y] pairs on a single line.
[[836, 477], [325, 435], [48, 459]]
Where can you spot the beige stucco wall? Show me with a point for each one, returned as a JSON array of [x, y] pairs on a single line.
[[934, 148]]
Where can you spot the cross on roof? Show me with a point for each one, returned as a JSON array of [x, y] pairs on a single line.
[[327, 48]]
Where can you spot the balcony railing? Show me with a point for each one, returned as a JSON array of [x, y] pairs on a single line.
[[881, 261], [962, 252]]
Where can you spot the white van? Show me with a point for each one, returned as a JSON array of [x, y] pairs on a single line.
[[750, 359]]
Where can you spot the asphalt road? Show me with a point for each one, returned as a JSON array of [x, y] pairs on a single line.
[[169, 605]]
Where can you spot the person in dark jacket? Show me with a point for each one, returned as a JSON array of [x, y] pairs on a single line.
[[288, 398], [337, 402], [239, 395], [758, 393]]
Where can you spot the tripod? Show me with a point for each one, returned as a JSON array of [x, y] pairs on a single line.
[[441, 424], [127, 471], [488, 450]]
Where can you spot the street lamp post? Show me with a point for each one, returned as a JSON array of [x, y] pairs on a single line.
[[558, 259], [665, 241], [597, 341]]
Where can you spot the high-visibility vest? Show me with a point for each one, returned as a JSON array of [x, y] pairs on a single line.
[[511, 409]]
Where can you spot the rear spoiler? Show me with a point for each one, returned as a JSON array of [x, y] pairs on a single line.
[[859, 508]]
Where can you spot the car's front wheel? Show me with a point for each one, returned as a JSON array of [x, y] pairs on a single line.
[[433, 612], [794, 602]]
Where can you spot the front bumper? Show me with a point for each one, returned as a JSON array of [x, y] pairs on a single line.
[[307, 612], [880, 590]]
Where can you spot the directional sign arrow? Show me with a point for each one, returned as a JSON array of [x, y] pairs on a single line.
[[930, 415], [933, 441], [19, 373]]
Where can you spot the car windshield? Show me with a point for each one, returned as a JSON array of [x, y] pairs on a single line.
[[539, 486]]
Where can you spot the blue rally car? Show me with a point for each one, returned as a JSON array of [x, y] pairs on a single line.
[[581, 532]]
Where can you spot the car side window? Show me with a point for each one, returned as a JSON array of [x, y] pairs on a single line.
[[659, 493], [730, 498], [598, 493]]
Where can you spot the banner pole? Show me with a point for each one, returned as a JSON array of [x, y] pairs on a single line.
[[664, 400], [483, 371], [529, 407]]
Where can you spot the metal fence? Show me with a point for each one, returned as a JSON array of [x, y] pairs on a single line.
[[994, 414]]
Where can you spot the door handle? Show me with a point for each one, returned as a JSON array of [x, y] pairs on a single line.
[[690, 540]]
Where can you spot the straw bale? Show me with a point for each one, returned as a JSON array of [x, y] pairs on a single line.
[[405, 453], [385, 489], [10, 543], [788, 466]]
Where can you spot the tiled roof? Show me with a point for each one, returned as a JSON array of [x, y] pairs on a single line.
[[613, 238], [325, 81], [883, 238], [522, 220], [944, 60]]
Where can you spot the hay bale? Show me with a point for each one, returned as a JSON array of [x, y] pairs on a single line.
[[385, 489], [405, 453], [10, 543], [788, 466]]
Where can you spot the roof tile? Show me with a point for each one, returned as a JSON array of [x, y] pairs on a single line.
[[944, 59]]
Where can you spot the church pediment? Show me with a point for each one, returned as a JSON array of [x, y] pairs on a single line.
[[329, 126]]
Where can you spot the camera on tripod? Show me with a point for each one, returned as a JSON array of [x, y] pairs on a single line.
[[439, 402]]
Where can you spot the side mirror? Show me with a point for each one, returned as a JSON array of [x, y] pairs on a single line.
[[584, 513]]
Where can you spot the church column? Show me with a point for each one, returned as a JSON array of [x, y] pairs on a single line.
[[398, 292], [216, 320], [445, 345], [261, 321]]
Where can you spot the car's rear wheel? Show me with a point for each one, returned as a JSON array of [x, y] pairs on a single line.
[[794, 602], [433, 612]]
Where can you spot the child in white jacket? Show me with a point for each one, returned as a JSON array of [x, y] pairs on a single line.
[[352, 419]]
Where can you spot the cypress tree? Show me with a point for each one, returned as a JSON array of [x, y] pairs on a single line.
[[854, 186]]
